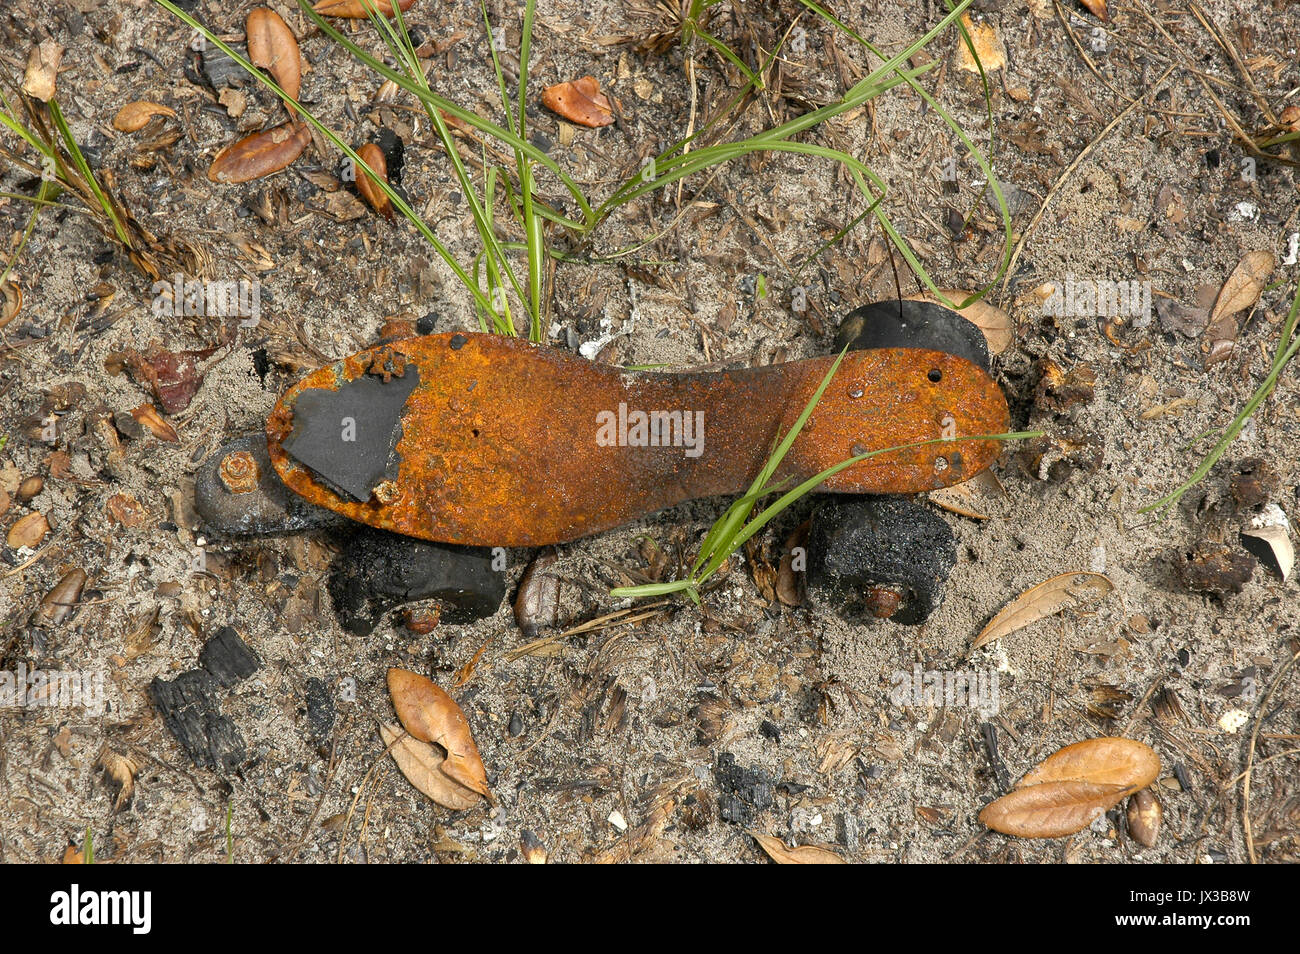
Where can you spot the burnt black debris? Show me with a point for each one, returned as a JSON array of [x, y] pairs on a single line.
[[1215, 569], [743, 792], [379, 571], [349, 437], [189, 708], [270, 507], [320, 709], [861, 544], [190, 704], [913, 324], [228, 658]]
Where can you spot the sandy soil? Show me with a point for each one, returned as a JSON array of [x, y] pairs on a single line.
[[635, 720]]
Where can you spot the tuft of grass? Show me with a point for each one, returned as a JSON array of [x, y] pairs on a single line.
[[511, 166], [60, 165], [1287, 347], [730, 531]]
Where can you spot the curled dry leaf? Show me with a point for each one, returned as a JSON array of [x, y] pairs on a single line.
[[994, 322], [358, 9], [272, 46], [125, 511], [1243, 287], [790, 570], [1144, 815], [1106, 761], [422, 765], [11, 302], [28, 531], [1097, 8], [260, 154], [970, 498], [61, 601], [1048, 597], [134, 116], [373, 157], [121, 770], [148, 415], [533, 850], [1072, 787], [988, 47], [1053, 809], [430, 715], [777, 850], [579, 101], [1268, 538], [42, 70]]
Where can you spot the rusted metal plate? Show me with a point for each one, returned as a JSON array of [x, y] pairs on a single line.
[[503, 443]]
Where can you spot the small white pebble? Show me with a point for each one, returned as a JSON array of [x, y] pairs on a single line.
[[1232, 720], [617, 820]]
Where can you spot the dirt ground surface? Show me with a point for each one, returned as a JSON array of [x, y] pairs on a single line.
[[670, 738]]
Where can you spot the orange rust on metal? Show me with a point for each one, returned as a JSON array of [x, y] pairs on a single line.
[[239, 472], [499, 440]]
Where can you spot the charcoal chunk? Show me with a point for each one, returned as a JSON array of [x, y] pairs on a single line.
[[189, 708], [228, 658], [320, 709], [745, 792]]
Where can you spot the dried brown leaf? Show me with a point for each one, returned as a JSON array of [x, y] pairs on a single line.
[[260, 154], [1105, 761], [1097, 8], [579, 101], [996, 324], [42, 71], [787, 576], [134, 116], [970, 498], [272, 46], [988, 47], [1053, 809], [357, 9], [125, 511], [1037, 602], [148, 415], [1244, 285], [422, 764], [776, 849], [373, 157], [140, 639], [430, 715], [121, 770], [11, 303], [28, 531]]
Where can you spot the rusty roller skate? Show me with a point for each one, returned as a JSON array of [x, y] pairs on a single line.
[[477, 440]]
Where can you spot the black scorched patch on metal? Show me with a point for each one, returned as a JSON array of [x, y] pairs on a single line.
[[349, 436]]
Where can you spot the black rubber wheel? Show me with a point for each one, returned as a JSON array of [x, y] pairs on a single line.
[[883, 557], [379, 571], [913, 324]]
